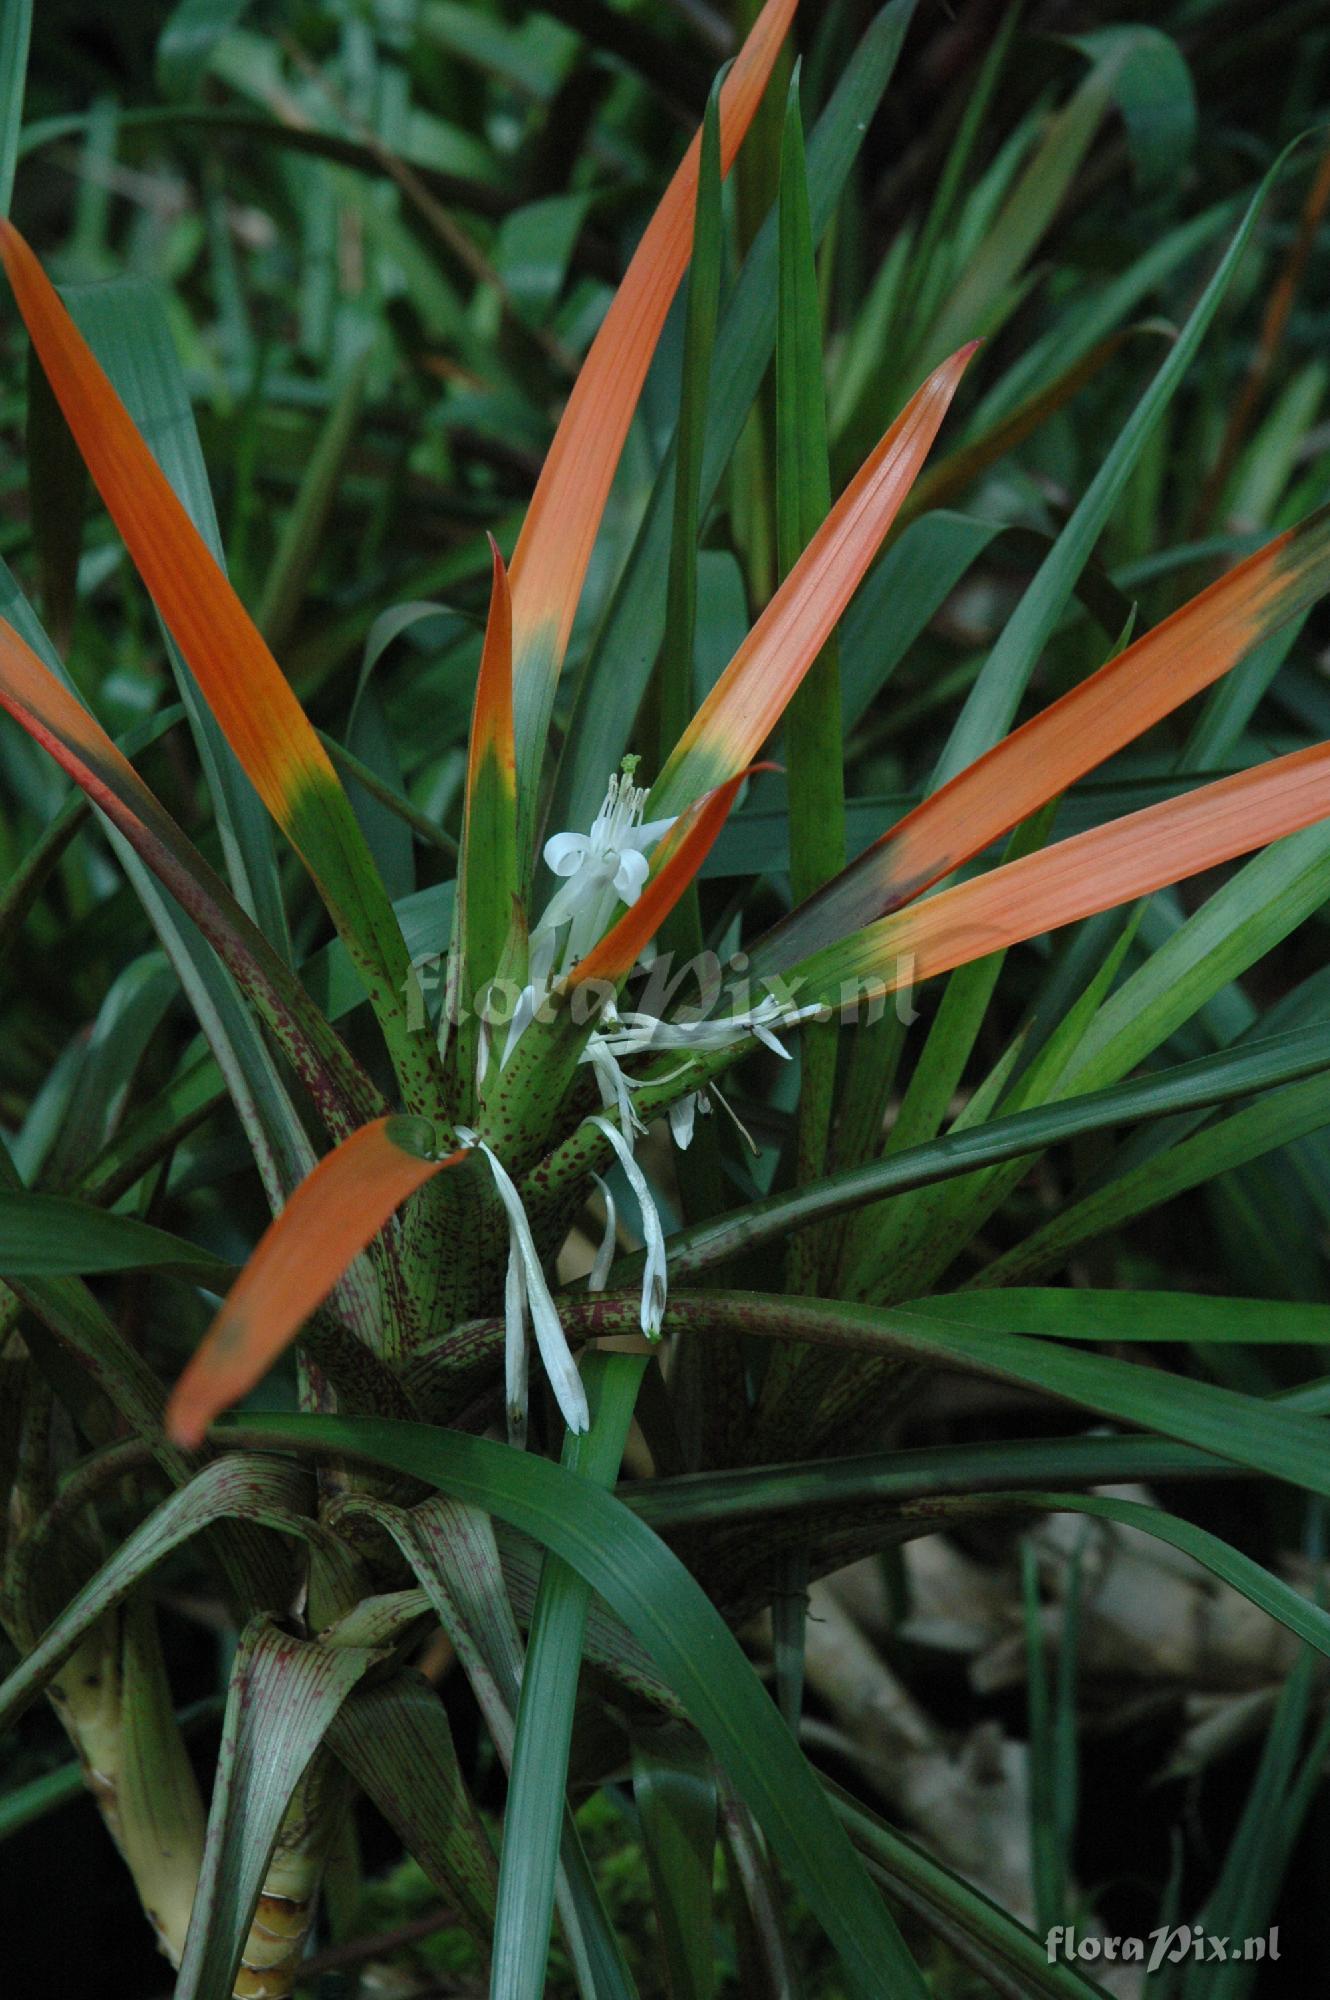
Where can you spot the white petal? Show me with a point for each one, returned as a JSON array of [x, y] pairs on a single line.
[[554, 1350], [631, 874], [653, 1277], [765, 1036], [565, 852], [515, 1348], [683, 1116], [647, 835], [523, 1015], [598, 1276]]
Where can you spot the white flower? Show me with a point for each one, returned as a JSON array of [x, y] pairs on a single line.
[[653, 1277], [525, 1291], [630, 1034], [601, 869]]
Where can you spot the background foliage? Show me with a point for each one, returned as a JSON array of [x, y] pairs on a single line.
[[373, 242]]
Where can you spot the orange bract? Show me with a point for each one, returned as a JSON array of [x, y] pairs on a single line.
[[1187, 652], [244, 686], [550, 561], [754, 691], [1077, 878], [328, 1221]]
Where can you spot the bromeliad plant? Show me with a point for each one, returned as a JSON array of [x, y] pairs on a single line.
[[415, 1237]]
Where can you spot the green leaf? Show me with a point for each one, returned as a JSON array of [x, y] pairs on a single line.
[[127, 1020], [534, 1815], [1276, 1120], [187, 41], [261, 1490], [50, 1235], [301, 540], [980, 1934], [674, 1790], [984, 291], [813, 735], [1287, 1444], [15, 34], [1073, 1313], [674, 681], [899, 599], [892, 1480], [394, 1739], [1210, 1080], [1257, 1585], [654, 1595], [453, 1551], [283, 1697], [1155, 95]]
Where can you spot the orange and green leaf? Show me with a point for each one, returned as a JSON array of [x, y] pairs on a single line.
[[240, 680], [1077, 878], [1180, 657], [489, 873], [332, 1216], [55, 718], [550, 561], [752, 694]]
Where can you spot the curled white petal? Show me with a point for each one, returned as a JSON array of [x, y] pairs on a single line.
[[554, 1350], [631, 874], [565, 852], [653, 1276], [614, 1085]]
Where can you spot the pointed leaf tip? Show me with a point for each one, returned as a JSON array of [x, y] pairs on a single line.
[[755, 689], [328, 1221]]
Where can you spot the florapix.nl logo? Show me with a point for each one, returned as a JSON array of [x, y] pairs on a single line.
[[1169, 1945]]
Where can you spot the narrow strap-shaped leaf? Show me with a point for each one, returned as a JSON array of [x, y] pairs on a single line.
[[1216, 1079], [1076, 878], [1285, 1443], [674, 673], [533, 1820], [328, 1221], [58, 721], [15, 34], [49, 1235], [814, 752], [674, 1790], [490, 875], [1310, 1621], [453, 1551], [751, 695], [242, 683], [552, 554], [1186, 653]]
